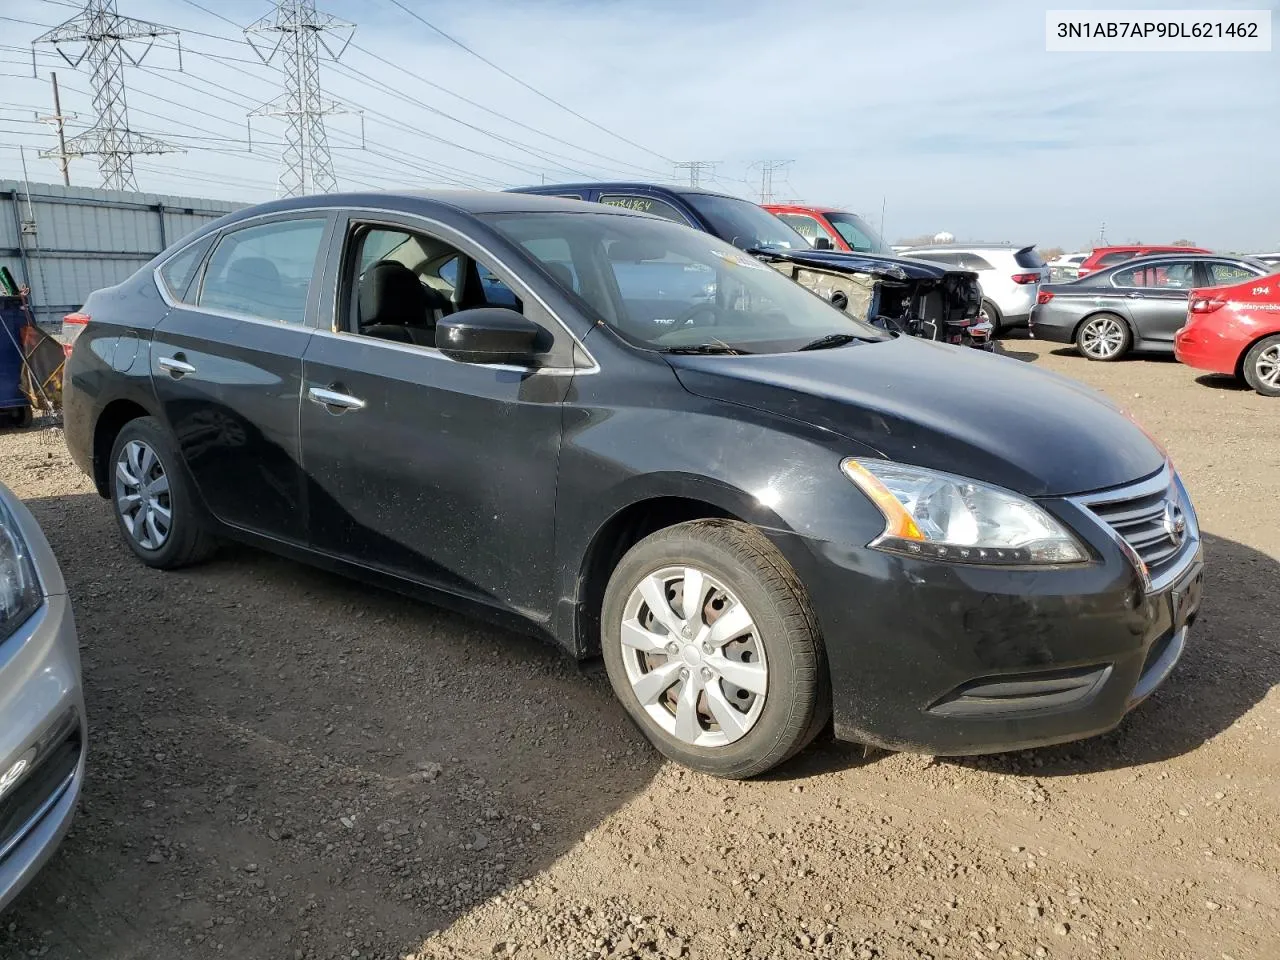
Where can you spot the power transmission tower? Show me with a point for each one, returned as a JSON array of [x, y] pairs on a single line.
[[59, 121], [767, 170], [300, 35], [105, 36], [696, 168]]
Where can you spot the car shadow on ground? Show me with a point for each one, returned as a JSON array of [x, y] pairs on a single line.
[[1224, 381], [284, 762]]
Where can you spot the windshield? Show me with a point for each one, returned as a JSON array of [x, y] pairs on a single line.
[[744, 224], [666, 287], [858, 234]]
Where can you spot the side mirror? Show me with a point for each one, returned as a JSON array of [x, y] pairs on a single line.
[[490, 335], [822, 243]]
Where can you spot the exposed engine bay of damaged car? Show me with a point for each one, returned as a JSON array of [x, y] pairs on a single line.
[[902, 296]]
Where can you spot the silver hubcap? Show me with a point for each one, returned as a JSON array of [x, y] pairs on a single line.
[[1268, 367], [142, 495], [1102, 337], [693, 658]]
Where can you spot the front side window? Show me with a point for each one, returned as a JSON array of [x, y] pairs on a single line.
[[667, 288], [1221, 273], [180, 269], [858, 234], [641, 204], [264, 271], [400, 283]]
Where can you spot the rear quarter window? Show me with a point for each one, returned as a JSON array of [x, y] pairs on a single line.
[[180, 269]]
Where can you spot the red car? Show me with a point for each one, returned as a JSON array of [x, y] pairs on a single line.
[[843, 230], [1110, 256], [1235, 330]]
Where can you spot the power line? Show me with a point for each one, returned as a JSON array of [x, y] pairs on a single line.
[[696, 169], [527, 86], [767, 169], [301, 35], [105, 33]]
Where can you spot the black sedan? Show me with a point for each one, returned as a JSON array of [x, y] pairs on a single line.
[[1135, 305], [760, 511]]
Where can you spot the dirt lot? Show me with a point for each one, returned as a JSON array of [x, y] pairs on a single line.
[[285, 764]]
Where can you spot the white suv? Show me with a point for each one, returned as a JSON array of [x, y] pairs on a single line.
[[1010, 276]]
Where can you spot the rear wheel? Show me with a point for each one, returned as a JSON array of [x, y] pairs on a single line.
[[713, 650], [153, 501], [1104, 336], [1262, 366]]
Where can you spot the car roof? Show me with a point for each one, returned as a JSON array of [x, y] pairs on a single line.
[[1146, 246], [464, 201], [1014, 247], [545, 188]]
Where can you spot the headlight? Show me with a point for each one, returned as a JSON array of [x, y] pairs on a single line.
[[941, 517], [19, 587]]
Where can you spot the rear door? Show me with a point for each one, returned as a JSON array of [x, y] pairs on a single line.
[[227, 369], [1155, 296]]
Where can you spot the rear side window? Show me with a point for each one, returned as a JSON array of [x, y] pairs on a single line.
[[807, 227], [659, 208], [180, 269], [264, 271], [1029, 257], [1116, 256]]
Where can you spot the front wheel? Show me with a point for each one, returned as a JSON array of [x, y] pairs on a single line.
[[711, 646], [1104, 337], [1262, 366]]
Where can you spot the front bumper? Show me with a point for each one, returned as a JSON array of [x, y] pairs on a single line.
[[953, 659], [42, 733]]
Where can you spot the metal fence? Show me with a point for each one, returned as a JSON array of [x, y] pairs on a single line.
[[65, 242]]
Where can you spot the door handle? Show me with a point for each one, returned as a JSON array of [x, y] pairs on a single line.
[[1135, 295], [175, 367], [332, 399]]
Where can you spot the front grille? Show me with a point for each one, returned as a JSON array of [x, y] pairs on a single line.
[[1154, 518], [53, 766]]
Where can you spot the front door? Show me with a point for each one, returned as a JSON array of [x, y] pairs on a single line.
[[227, 368], [1155, 295], [434, 470]]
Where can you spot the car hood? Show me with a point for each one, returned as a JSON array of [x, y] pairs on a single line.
[[962, 411], [899, 268]]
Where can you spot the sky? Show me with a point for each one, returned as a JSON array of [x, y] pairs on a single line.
[[941, 115]]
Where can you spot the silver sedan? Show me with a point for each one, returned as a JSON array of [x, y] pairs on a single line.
[[42, 733]]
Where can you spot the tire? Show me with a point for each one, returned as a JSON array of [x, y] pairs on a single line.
[[773, 646], [993, 317], [143, 450], [1104, 337], [1261, 366], [22, 418]]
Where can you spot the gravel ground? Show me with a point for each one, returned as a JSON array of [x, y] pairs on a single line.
[[286, 764]]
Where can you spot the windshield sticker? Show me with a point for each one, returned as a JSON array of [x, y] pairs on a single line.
[[740, 260], [641, 204]]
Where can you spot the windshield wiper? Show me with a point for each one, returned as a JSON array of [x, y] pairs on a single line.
[[830, 340], [706, 348]]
